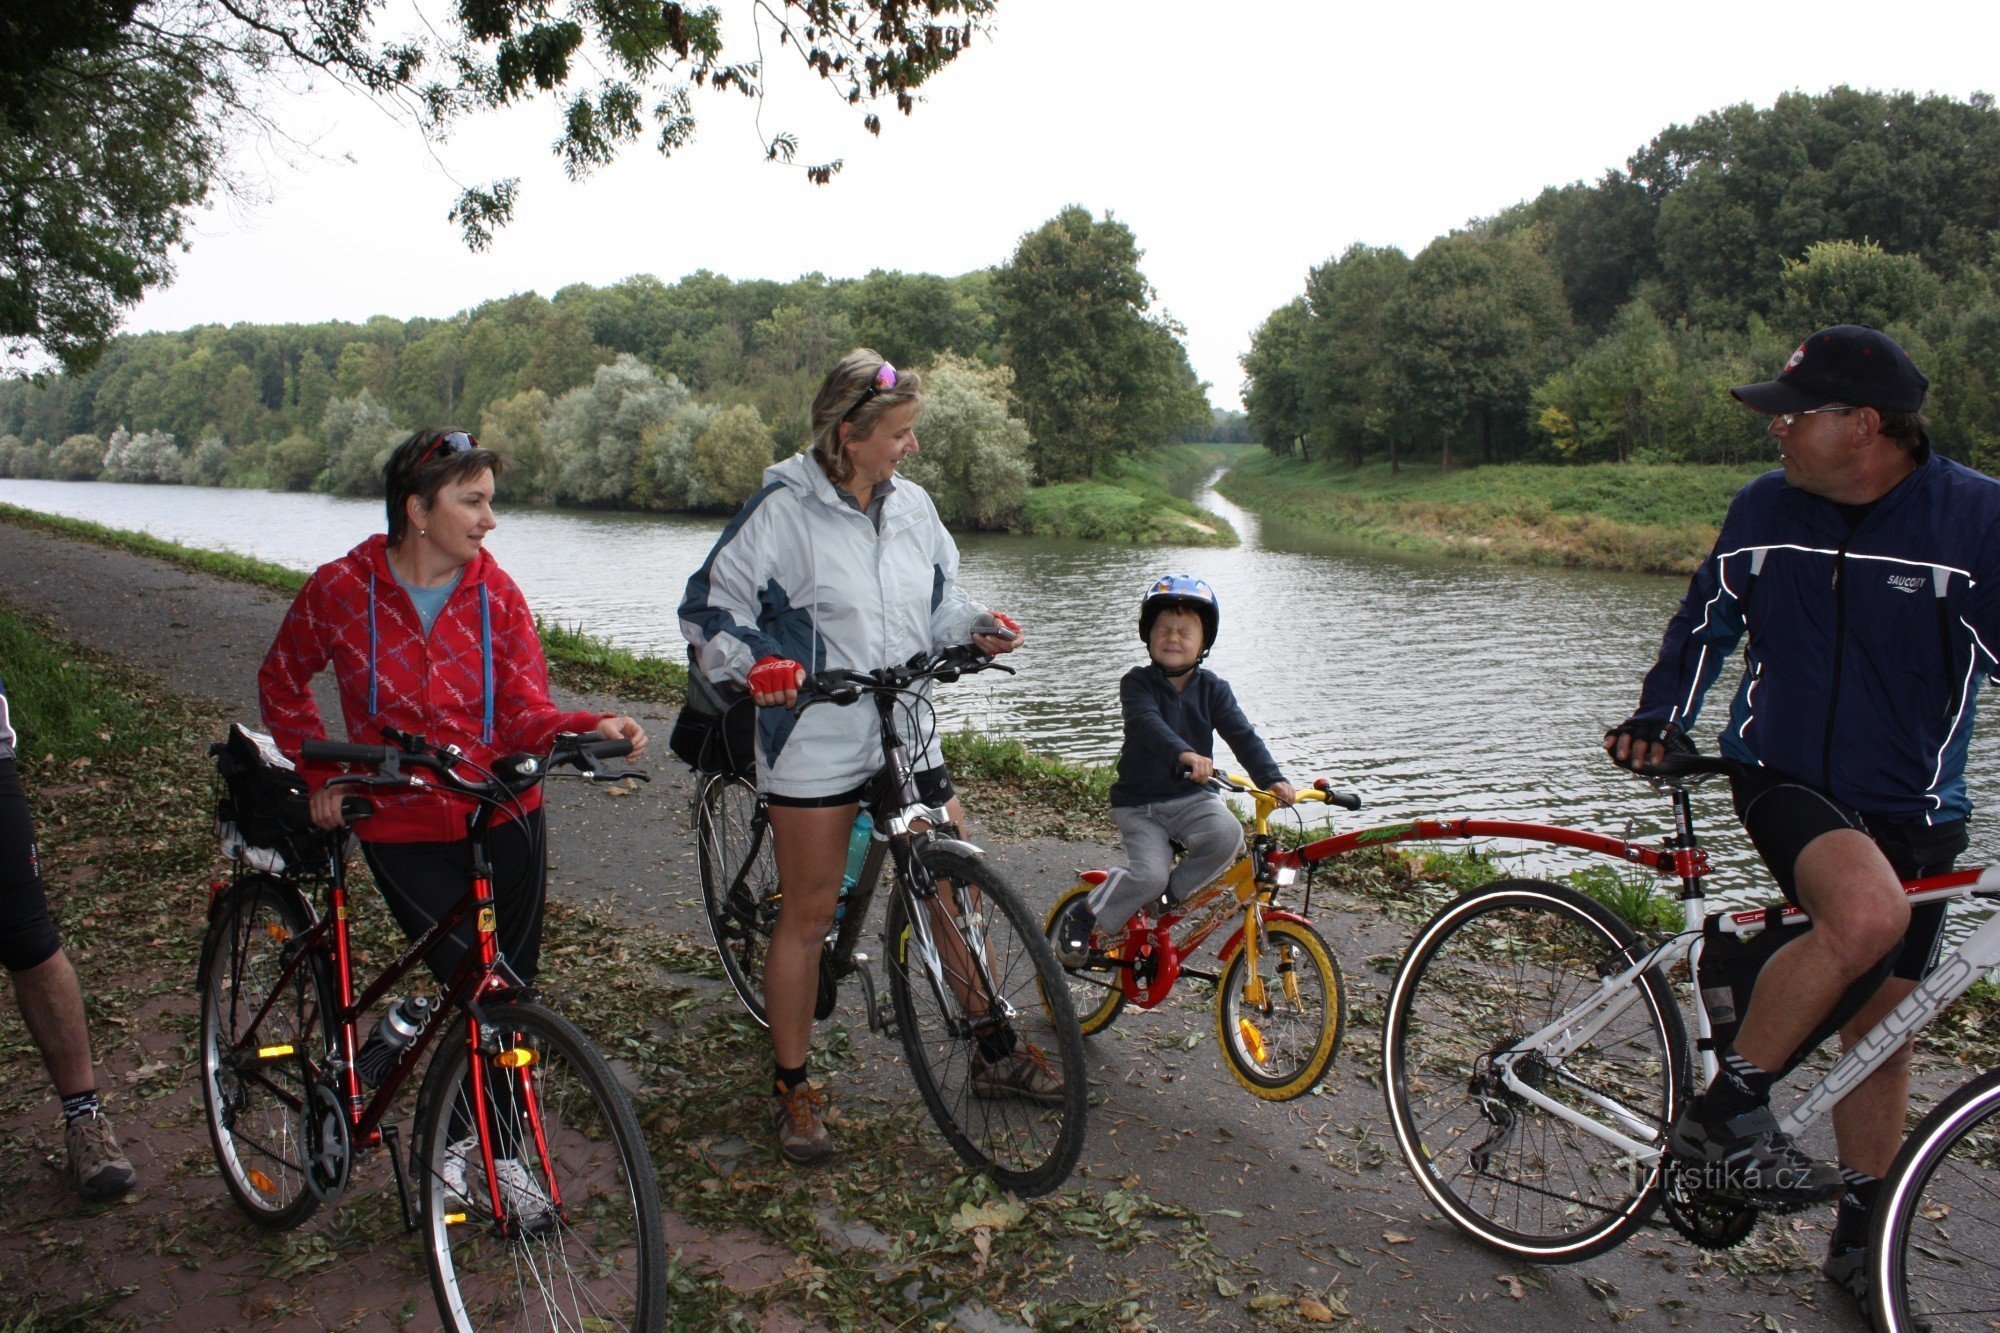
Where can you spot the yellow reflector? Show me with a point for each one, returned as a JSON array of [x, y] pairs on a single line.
[[1253, 1040], [453, 1219], [518, 1058], [274, 1052], [276, 930], [263, 1182], [487, 919]]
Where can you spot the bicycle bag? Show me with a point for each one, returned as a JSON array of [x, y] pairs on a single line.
[[1727, 970], [261, 818], [716, 729]]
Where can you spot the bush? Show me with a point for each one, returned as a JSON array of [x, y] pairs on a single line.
[[79, 458], [209, 464], [145, 457], [516, 428], [295, 462], [974, 456], [359, 438], [598, 435], [727, 462]]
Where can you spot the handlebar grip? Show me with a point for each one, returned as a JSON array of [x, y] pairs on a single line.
[[342, 752], [1682, 765], [608, 748], [1346, 800]]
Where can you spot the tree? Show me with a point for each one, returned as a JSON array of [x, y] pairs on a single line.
[[1845, 282], [728, 459], [1352, 399], [144, 457], [359, 438], [114, 114], [1274, 387], [516, 429], [598, 435], [974, 455], [1098, 377], [296, 461], [78, 458]]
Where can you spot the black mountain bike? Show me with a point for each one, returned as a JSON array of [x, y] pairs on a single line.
[[968, 965]]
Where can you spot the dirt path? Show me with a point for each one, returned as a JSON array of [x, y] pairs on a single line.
[[1232, 1201]]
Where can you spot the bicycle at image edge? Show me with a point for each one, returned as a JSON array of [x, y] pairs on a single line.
[[1279, 1003], [536, 1194], [965, 959], [1535, 1055]]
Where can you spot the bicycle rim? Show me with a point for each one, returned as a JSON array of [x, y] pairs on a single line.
[[1280, 1035], [256, 1104], [1936, 1247], [739, 884], [1094, 990], [1017, 997], [1493, 967], [577, 1242]]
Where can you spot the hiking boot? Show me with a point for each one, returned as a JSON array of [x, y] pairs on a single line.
[[1750, 1156], [1848, 1270], [798, 1117], [1073, 935], [100, 1170], [1026, 1076]]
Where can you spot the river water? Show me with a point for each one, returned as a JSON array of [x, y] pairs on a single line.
[[1431, 687]]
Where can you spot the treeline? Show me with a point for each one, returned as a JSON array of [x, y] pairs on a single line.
[[647, 394], [1607, 321]]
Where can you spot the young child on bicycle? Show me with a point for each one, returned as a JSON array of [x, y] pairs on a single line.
[[1173, 708]]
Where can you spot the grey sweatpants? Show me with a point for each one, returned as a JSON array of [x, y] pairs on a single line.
[[1199, 821]]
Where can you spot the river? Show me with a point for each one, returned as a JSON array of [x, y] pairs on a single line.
[[1429, 686]]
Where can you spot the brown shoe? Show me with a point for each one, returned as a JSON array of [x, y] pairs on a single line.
[[798, 1117], [1026, 1075], [100, 1170]]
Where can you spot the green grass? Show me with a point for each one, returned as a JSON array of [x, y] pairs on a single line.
[[1634, 894], [58, 701], [1132, 503], [1643, 517]]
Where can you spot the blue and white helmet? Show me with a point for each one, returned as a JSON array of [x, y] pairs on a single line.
[[1187, 593]]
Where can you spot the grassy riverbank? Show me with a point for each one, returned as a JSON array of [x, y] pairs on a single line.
[[1641, 517], [1136, 502]]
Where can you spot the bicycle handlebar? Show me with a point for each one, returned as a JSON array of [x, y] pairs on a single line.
[[844, 685], [1321, 790], [513, 774]]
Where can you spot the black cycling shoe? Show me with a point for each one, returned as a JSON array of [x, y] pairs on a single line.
[[1848, 1270], [1073, 935], [1749, 1155]]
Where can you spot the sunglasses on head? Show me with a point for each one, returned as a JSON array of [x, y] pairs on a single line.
[[885, 379], [451, 442]]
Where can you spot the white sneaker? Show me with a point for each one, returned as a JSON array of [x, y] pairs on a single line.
[[524, 1198]]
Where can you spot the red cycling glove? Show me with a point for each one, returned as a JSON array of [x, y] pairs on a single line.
[[774, 675]]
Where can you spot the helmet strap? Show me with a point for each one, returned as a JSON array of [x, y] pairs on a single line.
[[1176, 675]]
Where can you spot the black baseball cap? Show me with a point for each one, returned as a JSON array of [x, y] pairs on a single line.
[[1848, 363]]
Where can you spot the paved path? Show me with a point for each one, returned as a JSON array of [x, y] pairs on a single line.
[[1308, 1195]]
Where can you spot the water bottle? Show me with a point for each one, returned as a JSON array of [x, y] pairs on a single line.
[[857, 855], [398, 1028]]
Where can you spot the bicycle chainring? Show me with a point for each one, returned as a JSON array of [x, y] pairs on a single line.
[[328, 1143], [1712, 1221]]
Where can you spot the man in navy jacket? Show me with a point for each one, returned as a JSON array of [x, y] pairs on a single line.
[[1864, 581]]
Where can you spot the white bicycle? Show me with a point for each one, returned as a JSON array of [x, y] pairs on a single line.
[[1535, 1055]]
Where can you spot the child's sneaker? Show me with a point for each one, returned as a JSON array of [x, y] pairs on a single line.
[[1073, 934], [100, 1170]]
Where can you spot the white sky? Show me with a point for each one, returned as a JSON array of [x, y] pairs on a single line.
[[1242, 142]]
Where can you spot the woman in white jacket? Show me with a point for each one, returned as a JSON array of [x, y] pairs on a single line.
[[834, 563]]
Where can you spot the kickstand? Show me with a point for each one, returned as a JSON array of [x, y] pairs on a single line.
[[391, 1139], [881, 1017]]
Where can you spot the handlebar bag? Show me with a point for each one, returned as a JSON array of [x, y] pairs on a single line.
[[263, 804], [716, 729]]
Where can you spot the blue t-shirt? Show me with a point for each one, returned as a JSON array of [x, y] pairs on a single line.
[[430, 601]]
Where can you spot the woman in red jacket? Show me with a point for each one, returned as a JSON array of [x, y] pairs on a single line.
[[426, 634]]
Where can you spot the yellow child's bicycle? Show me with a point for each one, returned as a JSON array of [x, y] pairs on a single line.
[[1279, 1006]]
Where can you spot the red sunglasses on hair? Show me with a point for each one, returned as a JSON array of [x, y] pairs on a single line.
[[451, 442]]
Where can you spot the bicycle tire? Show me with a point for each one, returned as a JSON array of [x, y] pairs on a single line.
[[1095, 992], [733, 846], [1941, 1196], [597, 1259], [1489, 969], [255, 1107], [1294, 1033], [1027, 1147]]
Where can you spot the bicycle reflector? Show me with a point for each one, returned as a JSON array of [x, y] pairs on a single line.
[[518, 1058]]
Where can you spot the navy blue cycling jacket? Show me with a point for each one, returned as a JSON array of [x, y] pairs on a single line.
[[1162, 722], [1865, 645]]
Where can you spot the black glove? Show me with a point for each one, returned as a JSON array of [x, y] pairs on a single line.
[[1657, 729]]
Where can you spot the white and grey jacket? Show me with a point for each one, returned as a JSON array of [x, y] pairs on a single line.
[[800, 573]]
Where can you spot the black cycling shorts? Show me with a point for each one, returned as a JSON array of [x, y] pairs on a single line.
[[421, 881], [933, 788], [27, 935], [1782, 815]]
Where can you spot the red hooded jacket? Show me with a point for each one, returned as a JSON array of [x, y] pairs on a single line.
[[478, 682]]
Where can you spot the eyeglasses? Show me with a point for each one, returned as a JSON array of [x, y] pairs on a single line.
[[1790, 419], [452, 442], [885, 379]]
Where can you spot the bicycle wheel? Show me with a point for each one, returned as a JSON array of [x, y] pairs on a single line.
[[739, 883], [1482, 976], [1094, 991], [1935, 1252], [255, 1075], [578, 1242], [1280, 1028], [994, 1005]]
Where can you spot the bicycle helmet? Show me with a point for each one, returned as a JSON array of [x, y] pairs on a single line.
[[1187, 593]]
